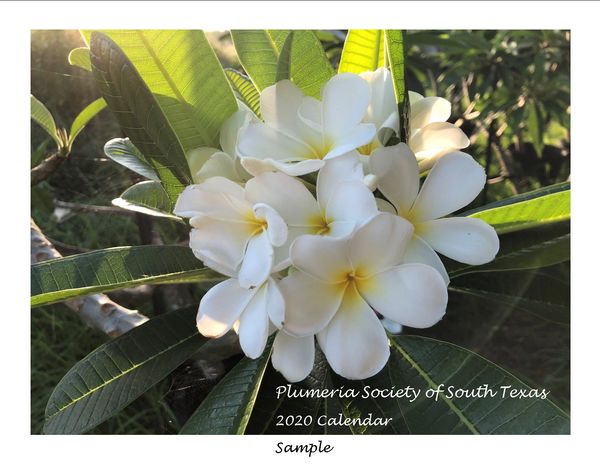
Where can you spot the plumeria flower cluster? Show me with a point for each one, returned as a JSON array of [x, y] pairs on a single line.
[[325, 233]]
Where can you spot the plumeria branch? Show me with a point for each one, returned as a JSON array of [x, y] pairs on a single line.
[[98, 311]]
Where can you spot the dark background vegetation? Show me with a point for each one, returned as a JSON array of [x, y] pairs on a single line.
[[509, 92]]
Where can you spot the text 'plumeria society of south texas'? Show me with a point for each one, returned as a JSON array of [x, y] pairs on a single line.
[[286, 208]]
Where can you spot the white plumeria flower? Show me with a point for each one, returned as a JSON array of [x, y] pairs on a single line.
[[300, 132], [207, 162], [339, 282], [342, 202], [251, 311], [430, 136], [453, 182], [230, 233]]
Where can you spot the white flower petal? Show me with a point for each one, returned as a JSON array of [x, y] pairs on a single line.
[[232, 126], [397, 174], [311, 113], [219, 165], [339, 169], [293, 357], [435, 140], [275, 303], [309, 303], [391, 326], [382, 110], [351, 201], [468, 240], [341, 228], [258, 261], [345, 100], [325, 258], [380, 243], [254, 325], [385, 206], [221, 307], [257, 166], [359, 136], [216, 196], [219, 241], [280, 105], [276, 227], [290, 198], [453, 182], [261, 141], [414, 97], [197, 157], [413, 294], [354, 342], [418, 251], [428, 110]]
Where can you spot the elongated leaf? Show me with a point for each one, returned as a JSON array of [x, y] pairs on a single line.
[[124, 152], [259, 52], [363, 51], [41, 115], [80, 57], [182, 71], [139, 114], [227, 408], [86, 115], [270, 406], [118, 372], [147, 197], [560, 187], [424, 364], [114, 268], [526, 249], [542, 210], [539, 294], [394, 41], [245, 90]]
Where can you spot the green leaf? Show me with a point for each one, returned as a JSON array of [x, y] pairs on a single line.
[[80, 57], [541, 295], [245, 90], [147, 197], [259, 52], [560, 187], [394, 41], [182, 71], [423, 364], [227, 408], [113, 268], [139, 114], [535, 126], [124, 152], [39, 153], [41, 115], [527, 249], [121, 370], [86, 115], [364, 50], [526, 214]]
